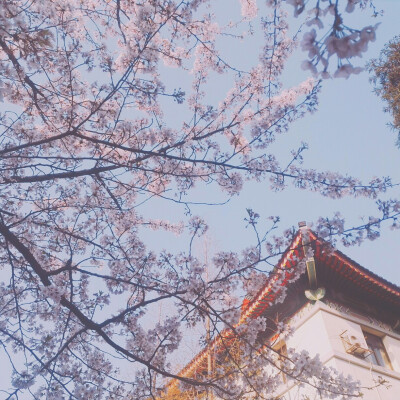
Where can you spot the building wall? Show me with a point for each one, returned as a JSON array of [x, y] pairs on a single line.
[[318, 330]]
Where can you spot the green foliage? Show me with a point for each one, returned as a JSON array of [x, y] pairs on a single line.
[[386, 79]]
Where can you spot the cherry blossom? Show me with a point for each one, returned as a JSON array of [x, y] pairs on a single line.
[[249, 8], [97, 136]]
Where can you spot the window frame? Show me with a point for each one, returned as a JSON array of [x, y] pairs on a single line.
[[379, 355]]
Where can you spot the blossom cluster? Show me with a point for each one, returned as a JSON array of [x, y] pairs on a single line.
[[341, 41], [102, 153]]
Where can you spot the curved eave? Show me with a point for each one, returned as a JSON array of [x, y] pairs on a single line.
[[355, 274], [261, 301], [266, 296], [335, 260]]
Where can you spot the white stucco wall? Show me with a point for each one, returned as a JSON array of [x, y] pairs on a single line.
[[312, 336], [393, 348], [318, 329]]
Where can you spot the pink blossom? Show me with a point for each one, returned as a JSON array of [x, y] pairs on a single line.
[[249, 9]]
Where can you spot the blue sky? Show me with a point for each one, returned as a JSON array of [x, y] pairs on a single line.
[[347, 134]]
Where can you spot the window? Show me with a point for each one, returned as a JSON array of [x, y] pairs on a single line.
[[378, 355]]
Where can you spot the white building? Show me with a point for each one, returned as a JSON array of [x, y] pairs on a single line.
[[354, 326], [339, 310]]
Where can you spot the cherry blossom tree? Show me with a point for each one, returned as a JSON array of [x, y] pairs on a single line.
[[92, 128]]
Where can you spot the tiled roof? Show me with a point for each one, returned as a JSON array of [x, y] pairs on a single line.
[[347, 269], [340, 266]]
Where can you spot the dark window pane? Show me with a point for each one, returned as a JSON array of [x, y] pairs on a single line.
[[378, 354]]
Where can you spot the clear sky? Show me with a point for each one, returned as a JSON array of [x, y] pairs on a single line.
[[347, 134]]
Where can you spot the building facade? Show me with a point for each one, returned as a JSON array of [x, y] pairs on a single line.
[[350, 341], [347, 315], [336, 309]]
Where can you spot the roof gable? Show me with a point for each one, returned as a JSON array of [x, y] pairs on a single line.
[[333, 269]]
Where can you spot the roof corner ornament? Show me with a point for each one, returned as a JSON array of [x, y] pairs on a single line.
[[314, 293]]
